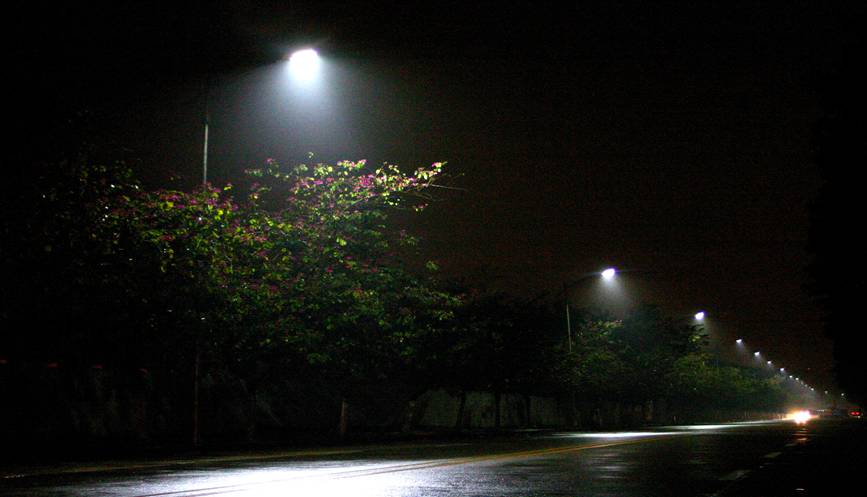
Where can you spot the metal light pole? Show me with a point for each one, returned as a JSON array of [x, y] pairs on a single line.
[[207, 119]]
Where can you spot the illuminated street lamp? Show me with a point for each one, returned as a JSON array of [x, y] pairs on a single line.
[[607, 276], [303, 67], [739, 341], [699, 316]]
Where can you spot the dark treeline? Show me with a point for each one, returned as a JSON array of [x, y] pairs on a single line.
[[258, 311]]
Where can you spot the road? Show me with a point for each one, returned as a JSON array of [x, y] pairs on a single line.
[[744, 459]]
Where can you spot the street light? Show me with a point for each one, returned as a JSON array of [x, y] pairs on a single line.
[[303, 67], [699, 316], [607, 275]]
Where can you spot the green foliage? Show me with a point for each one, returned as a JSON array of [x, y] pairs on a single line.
[[697, 380], [628, 358], [494, 343], [299, 272], [71, 280], [300, 275], [303, 269]]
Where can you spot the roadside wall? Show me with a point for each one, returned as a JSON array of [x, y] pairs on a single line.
[[48, 405]]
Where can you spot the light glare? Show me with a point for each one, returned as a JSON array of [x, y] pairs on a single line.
[[304, 64], [800, 417], [609, 274]]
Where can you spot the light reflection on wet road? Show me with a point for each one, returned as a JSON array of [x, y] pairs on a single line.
[[671, 461]]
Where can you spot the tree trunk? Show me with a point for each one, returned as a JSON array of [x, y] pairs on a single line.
[[460, 421], [344, 418]]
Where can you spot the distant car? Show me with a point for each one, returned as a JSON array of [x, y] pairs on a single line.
[[856, 413]]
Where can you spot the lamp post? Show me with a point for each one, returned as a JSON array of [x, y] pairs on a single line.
[[607, 275], [303, 67], [206, 124]]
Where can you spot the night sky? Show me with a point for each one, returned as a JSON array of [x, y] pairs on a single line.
[[673, 142]]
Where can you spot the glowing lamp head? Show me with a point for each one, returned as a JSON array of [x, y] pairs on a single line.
[[304, 64], [739, 341], [699, 316], [609, 274], [757, 353]]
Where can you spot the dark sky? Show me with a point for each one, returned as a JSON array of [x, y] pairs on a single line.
[[673, 141]]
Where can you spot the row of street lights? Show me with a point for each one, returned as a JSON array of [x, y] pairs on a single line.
[[609, 275], [781, 370]]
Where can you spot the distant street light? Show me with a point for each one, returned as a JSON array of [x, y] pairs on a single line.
[[699, 316], [739, 341], [609, 274]]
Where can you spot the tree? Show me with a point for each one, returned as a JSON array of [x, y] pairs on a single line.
[[629, 359], [302, 274], [696, 380]]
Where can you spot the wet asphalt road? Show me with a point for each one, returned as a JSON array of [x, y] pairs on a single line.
[[752, 459]]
